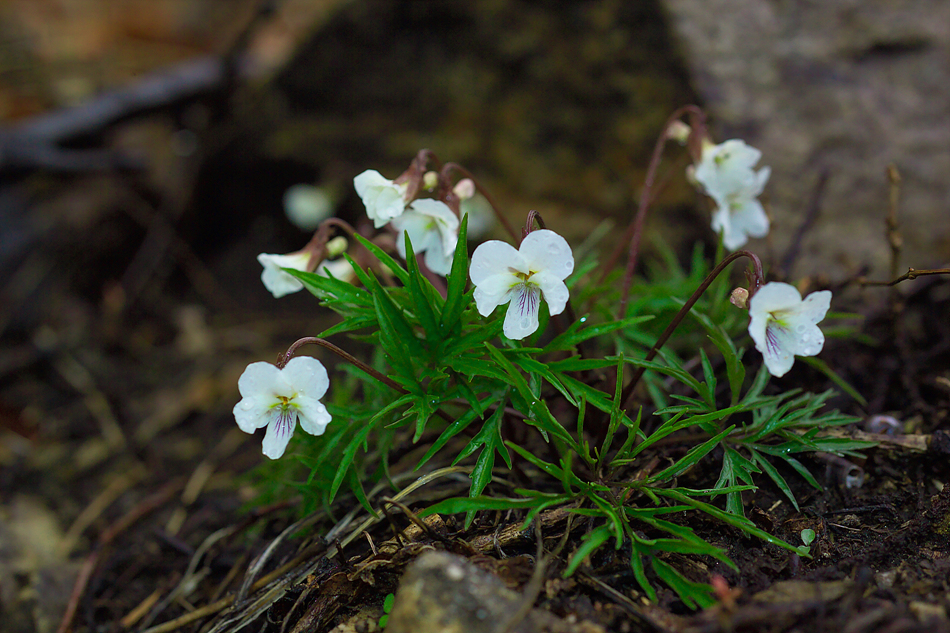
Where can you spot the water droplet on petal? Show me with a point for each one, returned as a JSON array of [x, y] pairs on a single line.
[[801, 327], [525, 322]]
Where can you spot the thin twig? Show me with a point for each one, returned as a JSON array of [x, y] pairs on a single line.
[[150, 504], [912, 273], [814, 207], [894, 239]]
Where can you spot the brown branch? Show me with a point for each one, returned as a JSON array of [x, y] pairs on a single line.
[[912, 273]]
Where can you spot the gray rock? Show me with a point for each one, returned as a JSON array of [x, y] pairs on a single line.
[[845, 86], [444, 593]]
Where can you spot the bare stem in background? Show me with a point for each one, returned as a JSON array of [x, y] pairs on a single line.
[[635, 231]]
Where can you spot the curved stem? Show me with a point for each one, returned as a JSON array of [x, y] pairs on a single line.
[[635, 231], [501, 218], [285, 358], [529, 224], [757, 278]]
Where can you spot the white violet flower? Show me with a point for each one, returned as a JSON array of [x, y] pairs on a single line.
[[433, 229], [784, 326], [383, 198], [278, 398], [727, 176], [522, 277], [277, 281]]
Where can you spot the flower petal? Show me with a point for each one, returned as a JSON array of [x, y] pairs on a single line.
[[494, 291], [774, 296], [547, 251], [494, 257], [816, 306], [522, 317], [553, 290], [312, 415], [253, 412], [278, 282], [307, 376], [438, 261], [263, 380], [732, 238], [279, 432], [384, 200], [778, 349], [749, 219]]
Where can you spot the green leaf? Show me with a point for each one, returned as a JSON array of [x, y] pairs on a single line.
[[456, 298], [395, 332], [457, 505], [385, 259], [590, 543], [691, 458], [774, 475], [422, 301], [695, 595], [823, 367], [574, 336], [739, 522]]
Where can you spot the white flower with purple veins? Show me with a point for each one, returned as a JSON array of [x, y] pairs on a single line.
[[383, 198], [433, 229], [278, 398], [276, 280], [727, 176], [784, 326], [522, 278]]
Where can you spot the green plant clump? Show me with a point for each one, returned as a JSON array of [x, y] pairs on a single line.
[[575, 413]]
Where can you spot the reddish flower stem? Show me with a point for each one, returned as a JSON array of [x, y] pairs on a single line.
[[285, 358], [448, 167], [758, 278], [635, 230]]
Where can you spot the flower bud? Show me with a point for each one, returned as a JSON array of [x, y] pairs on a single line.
[[679, 132], [430, 180], [740, 298], [464, 189], [337, 246]]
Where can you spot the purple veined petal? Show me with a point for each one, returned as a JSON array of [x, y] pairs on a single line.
[[522, 317], [494, 257], [779, 349], [312, 415], [307, 376], [279, 432], [494, 291], [553, 290], [545, 250], [253, 412]]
